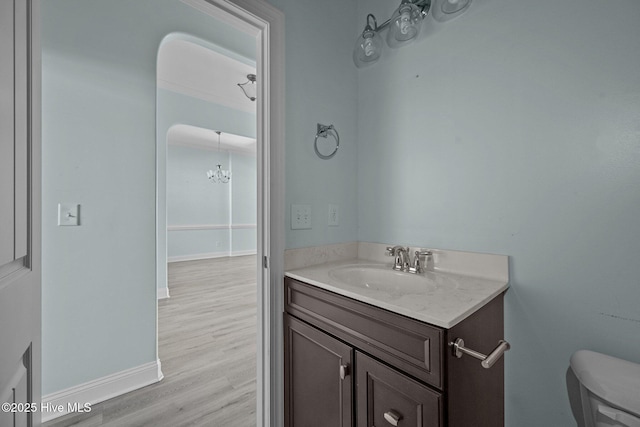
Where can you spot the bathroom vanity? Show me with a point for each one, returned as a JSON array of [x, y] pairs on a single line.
[[359, 353]]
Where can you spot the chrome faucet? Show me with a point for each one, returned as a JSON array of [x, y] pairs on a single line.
[[401, 255], [402, 259]]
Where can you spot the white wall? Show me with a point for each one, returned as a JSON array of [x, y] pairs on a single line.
[[99, 150], [515, 129]]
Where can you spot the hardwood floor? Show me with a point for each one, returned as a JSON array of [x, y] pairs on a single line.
[[207, 346]]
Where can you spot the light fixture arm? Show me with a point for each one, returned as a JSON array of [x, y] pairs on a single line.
[[368, 27], [218, 132], [251, 80]]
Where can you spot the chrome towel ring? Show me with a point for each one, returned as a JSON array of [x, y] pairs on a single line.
[[323, 131]]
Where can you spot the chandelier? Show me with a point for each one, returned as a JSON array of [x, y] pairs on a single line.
[[219, 175]]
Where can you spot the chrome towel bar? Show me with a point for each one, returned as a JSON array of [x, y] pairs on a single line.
[[487, 361]]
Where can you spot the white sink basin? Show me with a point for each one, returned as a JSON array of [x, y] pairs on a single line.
[[384, 279], [441, 297]]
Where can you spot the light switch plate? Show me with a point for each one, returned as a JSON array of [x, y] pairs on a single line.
[[334, 219], [300, 217], [68, 214]]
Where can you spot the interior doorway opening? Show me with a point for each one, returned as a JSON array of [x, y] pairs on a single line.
[[266, 24], [125, 308], [207, 308]]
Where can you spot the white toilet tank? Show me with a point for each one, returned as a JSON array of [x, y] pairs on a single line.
[[609, 388]]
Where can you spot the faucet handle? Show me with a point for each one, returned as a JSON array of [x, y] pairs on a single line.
[[417, 265], [389, 251]]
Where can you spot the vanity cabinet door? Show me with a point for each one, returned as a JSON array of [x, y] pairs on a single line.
[[317, 375], [386, 398]]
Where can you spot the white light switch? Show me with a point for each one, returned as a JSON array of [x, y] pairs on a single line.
[[68, 214], [333, 216], [300, 217]]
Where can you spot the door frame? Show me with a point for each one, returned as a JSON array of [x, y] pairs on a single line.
[[266, 23], [22, 277]]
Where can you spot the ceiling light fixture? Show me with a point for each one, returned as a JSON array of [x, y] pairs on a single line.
[[404, 26], [220, 175], [249, 87]]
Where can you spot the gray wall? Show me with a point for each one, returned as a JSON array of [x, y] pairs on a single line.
[[321, 87], [244, 198], [192, 200], [520, 136], [99, 150], [515, 129], [176, 108]]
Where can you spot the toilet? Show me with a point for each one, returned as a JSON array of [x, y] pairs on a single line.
[[609, 389]]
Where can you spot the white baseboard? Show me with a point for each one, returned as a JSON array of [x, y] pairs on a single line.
[[101, 389], [244, 253], [195, 257], [163, 293]]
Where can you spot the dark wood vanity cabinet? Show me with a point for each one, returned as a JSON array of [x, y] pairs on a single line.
[[348, 363], [318, 377]]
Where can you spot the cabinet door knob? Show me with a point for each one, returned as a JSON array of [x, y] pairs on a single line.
[[344, 371], [392, 417]]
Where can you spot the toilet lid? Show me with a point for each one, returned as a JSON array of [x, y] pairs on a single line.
[[614, 380]]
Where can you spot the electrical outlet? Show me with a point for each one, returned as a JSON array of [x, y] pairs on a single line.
[[300, 217], [333, 220]]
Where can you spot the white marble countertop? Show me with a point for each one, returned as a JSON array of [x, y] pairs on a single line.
[[446, 299]]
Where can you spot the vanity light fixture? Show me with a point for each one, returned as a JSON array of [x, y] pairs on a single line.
[[249, 87], [369, 45], [406, 21], [403, 27], [219, 175]]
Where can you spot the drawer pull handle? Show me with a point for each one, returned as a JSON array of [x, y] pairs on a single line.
[[487, 361], [344, 371], [392, 417]]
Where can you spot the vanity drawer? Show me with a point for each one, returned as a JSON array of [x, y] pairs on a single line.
[[410, 345], [386, 397]]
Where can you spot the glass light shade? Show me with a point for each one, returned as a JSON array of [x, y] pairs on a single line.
[[453, 6], [404, 25], [446, 10], [367, 49]]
